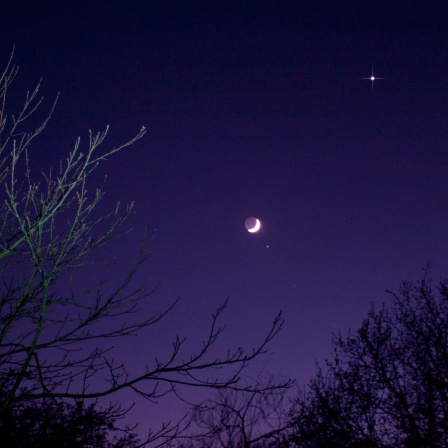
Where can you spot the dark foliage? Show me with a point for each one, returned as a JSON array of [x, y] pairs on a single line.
[[387, 384], [62, 425]]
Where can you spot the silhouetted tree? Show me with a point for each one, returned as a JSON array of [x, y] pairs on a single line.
[[53, 340], [240, 419], [52, 424], [387, 384]]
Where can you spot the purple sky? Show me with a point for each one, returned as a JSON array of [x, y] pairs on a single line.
[[255, 108]]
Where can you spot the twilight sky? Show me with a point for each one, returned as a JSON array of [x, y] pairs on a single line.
[[255, 108]]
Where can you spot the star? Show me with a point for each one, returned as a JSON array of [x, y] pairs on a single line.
[[373, 78]]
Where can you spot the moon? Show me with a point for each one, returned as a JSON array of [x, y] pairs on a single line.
[[252, 225]]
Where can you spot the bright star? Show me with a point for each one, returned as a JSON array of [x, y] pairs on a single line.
[[372, 78]]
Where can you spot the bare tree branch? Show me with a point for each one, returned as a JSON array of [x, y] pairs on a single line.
[[53, 344]]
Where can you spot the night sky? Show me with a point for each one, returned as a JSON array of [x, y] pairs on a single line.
[[253, 108]]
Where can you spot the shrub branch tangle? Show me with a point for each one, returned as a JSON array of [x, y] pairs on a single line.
[[239, 419]]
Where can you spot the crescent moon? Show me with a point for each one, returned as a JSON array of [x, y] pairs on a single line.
[[256, 226]]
